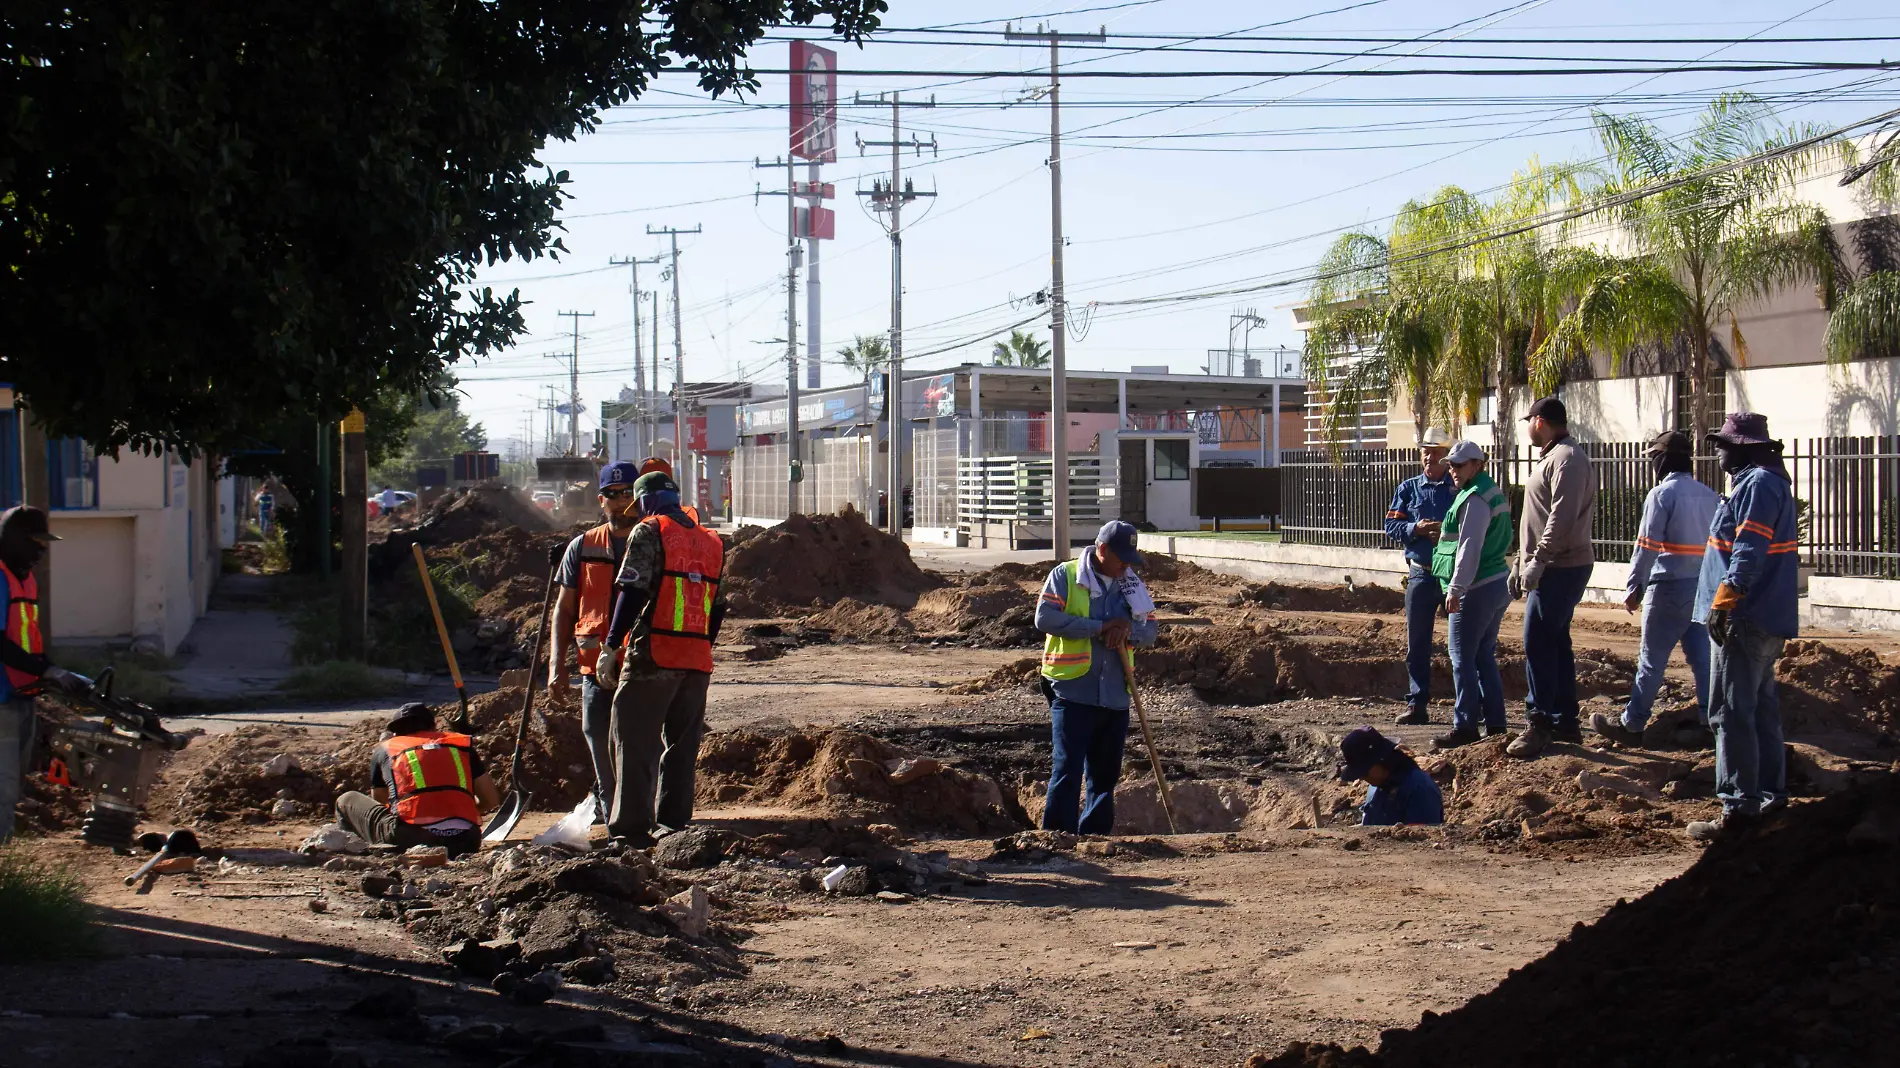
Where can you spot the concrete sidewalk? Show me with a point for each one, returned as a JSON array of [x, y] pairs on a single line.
[[240, 647]]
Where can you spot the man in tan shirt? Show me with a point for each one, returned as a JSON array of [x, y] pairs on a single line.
[[1555, 557]]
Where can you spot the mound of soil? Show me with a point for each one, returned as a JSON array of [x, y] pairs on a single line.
[[477, 511], [1573, 798], [1805, 903], [1325, 598], [558, 772], [854, 619], [1823, 686], [239, 776], [996, 615], [46, 807], [816, 561], [845, 773]]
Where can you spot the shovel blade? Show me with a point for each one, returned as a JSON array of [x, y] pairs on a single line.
[[502, 823]]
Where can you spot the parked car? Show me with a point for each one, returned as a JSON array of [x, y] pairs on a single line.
[[545, 500]]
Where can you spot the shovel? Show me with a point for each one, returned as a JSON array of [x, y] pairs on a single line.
[[1154, 758], [442, 631], [508, 813]]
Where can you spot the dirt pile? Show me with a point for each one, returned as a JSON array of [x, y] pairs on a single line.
[[558, 771], [1633, 988], [264, 773], [1286, 598], [1826, 687], [490, 587], [815, 561], [1573, 798], [844, 773], [985, 613], [852, 618], [477, 511], [45, 807]]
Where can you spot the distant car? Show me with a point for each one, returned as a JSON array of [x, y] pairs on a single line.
[[544, 500]]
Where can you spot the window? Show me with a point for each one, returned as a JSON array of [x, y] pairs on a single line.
[[72, 474], [1171, 461], [9, 457]]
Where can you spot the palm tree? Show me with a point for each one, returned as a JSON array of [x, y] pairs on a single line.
[[866, 354], [1021, 350], [1865, 323], [1718, 237]]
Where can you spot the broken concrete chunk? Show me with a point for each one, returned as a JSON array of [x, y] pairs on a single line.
[[333, 838], [911, 769], [281, 764], [690, 910]]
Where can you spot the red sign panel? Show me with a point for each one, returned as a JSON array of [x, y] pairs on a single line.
[[696, 433], [814, 102], [819, 223]]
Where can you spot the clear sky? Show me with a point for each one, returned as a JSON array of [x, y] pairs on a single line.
[[1172, 186]]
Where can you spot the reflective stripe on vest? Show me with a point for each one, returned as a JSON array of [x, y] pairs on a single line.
[[595, 590], [1069, 658], [23, 627], [679, 624], [429, 778]]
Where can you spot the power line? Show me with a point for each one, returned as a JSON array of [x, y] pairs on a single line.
[[1403, 72]]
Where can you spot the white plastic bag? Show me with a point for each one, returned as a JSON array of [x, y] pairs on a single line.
[[572, 830]]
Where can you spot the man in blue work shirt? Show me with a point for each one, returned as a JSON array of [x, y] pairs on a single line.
[[1414, 520], [1398, 790], [1663, 573], [1746, 597], [1091, 609]]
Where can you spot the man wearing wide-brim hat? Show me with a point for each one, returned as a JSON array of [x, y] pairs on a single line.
[[1745, 595]]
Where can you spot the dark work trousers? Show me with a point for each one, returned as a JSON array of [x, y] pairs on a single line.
[[597, 714], [1549, 661], [659, 715], [1423, 596], [1088, 748], [374, 823]]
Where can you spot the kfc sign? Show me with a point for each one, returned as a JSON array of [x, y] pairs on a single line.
[[814, 102]]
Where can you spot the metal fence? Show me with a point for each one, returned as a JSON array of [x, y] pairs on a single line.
[[934, 478], [1847, 491]]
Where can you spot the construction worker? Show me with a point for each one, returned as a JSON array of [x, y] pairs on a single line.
[[24, 536], [1554, 562], [426, 787], [583, 610], [1413, 520], [1746, 597], [1469, 562], [1397, 789], [1092, 608], [668, 607], [1663, 573]]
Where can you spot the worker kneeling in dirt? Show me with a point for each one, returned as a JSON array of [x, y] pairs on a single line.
[[1397, 789], [427, 787], [658, 661], [1092, 608]]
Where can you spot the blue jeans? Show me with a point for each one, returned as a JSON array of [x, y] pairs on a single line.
[[1667, 607], [1474, 657], [597, 726], [17, 727], [1745, 713], [1088, 747], [1549, 661], [1423, 596]]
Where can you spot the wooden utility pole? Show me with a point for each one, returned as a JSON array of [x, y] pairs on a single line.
[[353, 599]]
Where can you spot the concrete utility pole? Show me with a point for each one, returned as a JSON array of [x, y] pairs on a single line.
[[682, 468], [651, 405], [1059, 369], [792, 250], [891, 198], [574, 385], [639, 366], [353, 598]]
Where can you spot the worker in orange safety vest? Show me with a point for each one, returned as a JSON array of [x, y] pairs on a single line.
[[427, 787], [24, 536]]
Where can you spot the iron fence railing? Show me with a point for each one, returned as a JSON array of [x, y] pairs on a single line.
[[1847, 491]]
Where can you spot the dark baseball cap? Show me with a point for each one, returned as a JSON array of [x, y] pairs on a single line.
[[1119, 538], [655, 482], [413, 715], [1671, 441], [620, 473], [1361, 748], [1551, 410], [26, 521]]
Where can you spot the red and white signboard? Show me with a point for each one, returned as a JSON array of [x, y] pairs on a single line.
[[814, 102], [818, 224]]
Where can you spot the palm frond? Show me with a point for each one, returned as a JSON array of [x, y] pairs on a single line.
[[1866, 321]]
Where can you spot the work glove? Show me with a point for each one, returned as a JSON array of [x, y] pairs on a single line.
[[607, 669], [60, 678], [1718, 626], [1532, 575]]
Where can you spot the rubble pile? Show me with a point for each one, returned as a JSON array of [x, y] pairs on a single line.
[[1826, 687], [264, 773], [844, 773], [45, 807], [814, 561], [1634, 986], [1572, 798], [558, 771], [1349, 598]]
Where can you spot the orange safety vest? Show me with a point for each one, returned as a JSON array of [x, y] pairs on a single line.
[[679, 622], [432, 778], [23, 627], [597, 573]]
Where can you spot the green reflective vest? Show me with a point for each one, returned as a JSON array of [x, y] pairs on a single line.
[[1068, 658], [1497, 536]]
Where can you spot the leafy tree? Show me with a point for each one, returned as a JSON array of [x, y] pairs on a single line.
[[1700, 250], [438, 430], [1021, 350], [1865, 323], [212, 214], [866, 355]]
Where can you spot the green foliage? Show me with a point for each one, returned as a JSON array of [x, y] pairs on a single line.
[[1021, 350], [225, 222], [43, 911], [401, 629], [866, 355], [139, 676], [438, 429], [337, 680]]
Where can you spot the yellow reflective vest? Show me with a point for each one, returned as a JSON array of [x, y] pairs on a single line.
[[1068, 658]]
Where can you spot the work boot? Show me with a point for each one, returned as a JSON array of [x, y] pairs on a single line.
[[1533, 740], [1726, 825], [1413, 718], [1567, 732], [1612, 727], [1458, 736]]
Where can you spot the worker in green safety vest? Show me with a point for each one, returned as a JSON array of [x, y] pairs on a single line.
[[1091, 609], [1469, 562]]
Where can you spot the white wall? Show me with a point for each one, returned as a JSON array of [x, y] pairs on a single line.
[[1818, 400], [1608, 409]]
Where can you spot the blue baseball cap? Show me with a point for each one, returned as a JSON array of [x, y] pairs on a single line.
[[619, 473], [1359, 750], [1119, 538]]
